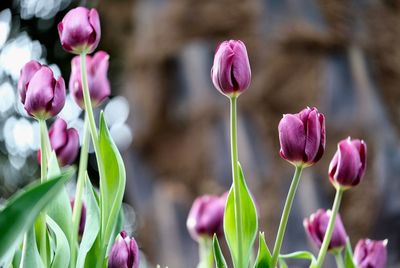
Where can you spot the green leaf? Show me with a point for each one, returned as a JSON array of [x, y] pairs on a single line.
[[117, 229], [30, 253], [92, 225], [22, 209], [306, 255], [60, 209], [263, 259], [112, 182], [218, 256], [61, 252], [348, 255], [249, 221], [282, 263]]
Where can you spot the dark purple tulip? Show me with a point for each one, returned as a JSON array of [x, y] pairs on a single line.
[[41, 94], [348, 165], [79, 30], [99, 86], [316, 226], [206, 216], [231, 72], [83, 217], [64, 141], [370, 254], [124, 253], [302, 137]]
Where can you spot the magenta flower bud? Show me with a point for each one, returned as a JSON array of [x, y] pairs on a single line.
[[348, 165], [82, 222], [302, 137], [370, 254], [231, 72], [99, 86], [41, 94], [79, 30], [316, 225], [64, 141], [206, 216], [124, 253]]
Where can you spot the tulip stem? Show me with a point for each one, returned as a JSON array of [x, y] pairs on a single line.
[[339, 259], [44, 137], [236, 182], [76, 212], [205, 253], [285, 215], [329, 230]]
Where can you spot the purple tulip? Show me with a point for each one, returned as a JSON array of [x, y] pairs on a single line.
[[348, 165], [231, 72], [316, 225], [82, 222], [124, 253], [79, 30], [41, 94], [206, 216], [302, 137], [370, 254], [64, 141], [99, 86]]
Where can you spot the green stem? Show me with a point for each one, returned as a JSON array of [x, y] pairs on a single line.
[[76, 212], [285, 215], [205, 253], [44, 136], [236, 182], [96, 145], [339, 260], [329, 231]]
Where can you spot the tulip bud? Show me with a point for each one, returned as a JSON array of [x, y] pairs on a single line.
[[370, 254], [348, 165], [99, 86], [124, 253], [41, 94], [206, 216], [79, 30], [231, 72], [83, 217], [64, 141], [302, 137], [316, 225]]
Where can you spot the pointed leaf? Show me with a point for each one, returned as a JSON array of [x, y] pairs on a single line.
[[263, 259], [282, 263], [348, 255], [30, 253], [249, 222], [112, 182], [60, 209], [218, 256], [22, 209], [92, 225], [61, 252], [306, 255]]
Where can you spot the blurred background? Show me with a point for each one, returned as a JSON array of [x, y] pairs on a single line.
[[172, 125]]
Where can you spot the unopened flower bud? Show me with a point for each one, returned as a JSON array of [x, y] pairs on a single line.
[[99, 86], [231, 72], [41, 94], [348, 165], [124, 252], [316, 225], [82, 222], [370, 254], [79, 30], [206, 216], [64, 141], [302, 137]]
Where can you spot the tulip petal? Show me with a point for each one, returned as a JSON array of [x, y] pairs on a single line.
[[322, 142], [27, 72], [59, 96], [240, 66], [68, 153], [292, 137], [57, 134], [313, 136]]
